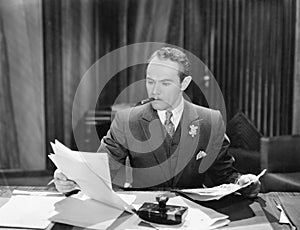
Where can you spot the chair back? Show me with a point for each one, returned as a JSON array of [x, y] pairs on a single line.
[[281, 154]]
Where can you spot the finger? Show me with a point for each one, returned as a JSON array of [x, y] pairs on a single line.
[[253, 193], [64, 189], [65, 182], [59, 175], [245, 179], [252, 190]]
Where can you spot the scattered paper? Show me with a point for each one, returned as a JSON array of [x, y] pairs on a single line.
[[23, 211], [283, 218], [290, 204], [80, 210]]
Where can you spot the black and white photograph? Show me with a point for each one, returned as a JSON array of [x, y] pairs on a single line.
[[150, 114]]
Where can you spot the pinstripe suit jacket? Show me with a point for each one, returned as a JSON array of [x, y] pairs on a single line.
[[137, 133]]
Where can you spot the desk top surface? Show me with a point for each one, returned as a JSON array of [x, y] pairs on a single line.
[[258, 213]]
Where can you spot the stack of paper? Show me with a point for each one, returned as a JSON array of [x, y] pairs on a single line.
[[91, 173]]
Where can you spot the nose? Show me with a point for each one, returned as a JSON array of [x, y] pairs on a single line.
[[155, 90]]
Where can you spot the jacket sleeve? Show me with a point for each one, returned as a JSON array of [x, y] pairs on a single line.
[[222, 170], [114, 144]]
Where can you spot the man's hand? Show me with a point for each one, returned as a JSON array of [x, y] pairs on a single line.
[[62, 183], [253, 188]]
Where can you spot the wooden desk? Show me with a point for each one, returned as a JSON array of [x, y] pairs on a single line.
[[260, 213]]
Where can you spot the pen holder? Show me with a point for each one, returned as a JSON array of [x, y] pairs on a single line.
[[162, 213]]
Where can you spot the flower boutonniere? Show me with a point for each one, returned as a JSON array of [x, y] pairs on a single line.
[[193, 130], [201, 155]]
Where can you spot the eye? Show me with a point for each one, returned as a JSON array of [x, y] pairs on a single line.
[[166, 83], [149, 82]]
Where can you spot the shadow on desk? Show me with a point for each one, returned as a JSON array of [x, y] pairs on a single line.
[[228, 206], [260, 213]]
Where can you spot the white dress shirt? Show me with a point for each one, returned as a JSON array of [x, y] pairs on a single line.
[[177, 113]]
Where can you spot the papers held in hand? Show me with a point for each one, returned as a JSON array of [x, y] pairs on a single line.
[[91, 173], [215, 193]]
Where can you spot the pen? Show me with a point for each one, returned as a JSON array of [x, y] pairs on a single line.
[[261, 173], [51, 182], [252, 181]]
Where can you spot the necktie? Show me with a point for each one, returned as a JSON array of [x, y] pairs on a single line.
[[168, 123]]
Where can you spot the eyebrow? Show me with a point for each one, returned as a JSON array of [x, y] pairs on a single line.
[[163, 80]]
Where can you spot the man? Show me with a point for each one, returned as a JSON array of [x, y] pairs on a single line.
[[170, 142]]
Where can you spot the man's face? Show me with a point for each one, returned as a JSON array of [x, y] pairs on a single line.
[[163, 83]]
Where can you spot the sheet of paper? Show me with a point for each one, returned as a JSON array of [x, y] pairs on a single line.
[[215, 193], [36, 193], [97, 162], [82, 211], [290, 206], [283, 218], [83, 167], [25, 211]]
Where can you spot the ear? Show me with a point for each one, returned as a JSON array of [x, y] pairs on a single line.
[[185, 83]]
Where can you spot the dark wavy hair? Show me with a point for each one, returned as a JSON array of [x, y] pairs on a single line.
[[175, 55]]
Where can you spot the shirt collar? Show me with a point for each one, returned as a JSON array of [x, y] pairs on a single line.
[[177, 113]]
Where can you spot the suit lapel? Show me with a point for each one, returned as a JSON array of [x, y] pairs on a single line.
[[155, 137], [190, 134]]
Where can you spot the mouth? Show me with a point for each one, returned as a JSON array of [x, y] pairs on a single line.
[[156, 99]]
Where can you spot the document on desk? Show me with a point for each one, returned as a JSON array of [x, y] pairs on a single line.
[[82, 211], [28, 211], [214, 193], [91, 172], [198, 217]]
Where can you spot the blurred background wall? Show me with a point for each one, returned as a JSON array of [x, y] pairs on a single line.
[[22, 116], [47, 47]]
